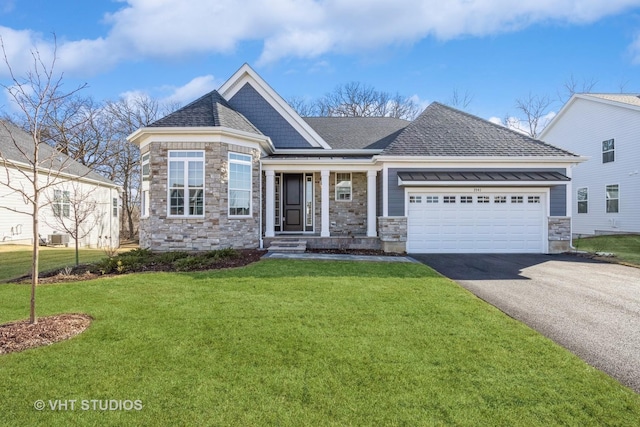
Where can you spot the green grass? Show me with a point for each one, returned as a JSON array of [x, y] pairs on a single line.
[[625, 247], [299, 343], [16, 263]]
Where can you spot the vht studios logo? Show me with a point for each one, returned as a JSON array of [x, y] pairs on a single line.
[[88, 405]]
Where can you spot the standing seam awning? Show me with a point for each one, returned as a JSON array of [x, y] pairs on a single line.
[[483, 176]]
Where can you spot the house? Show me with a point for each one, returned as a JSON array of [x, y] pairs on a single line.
[[71, 188], [606, 129], [239, 168]]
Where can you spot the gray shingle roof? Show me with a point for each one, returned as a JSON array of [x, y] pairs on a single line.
[[209, 110], [444, 131], [357, 132], [17, 146]]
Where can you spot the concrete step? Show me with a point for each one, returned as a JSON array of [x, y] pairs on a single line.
[[288, 245]]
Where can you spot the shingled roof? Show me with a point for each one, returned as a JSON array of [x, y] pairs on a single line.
[[209, 110], [444, 131], [357, 132], [17, 146]]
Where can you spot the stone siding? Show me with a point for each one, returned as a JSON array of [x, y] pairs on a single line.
[[213, 231], [392, 231], [348, 217], [559, 234]]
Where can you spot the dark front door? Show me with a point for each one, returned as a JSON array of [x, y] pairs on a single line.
[[293, 202]]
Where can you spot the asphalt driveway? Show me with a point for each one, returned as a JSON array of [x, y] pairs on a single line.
[[589, 307]]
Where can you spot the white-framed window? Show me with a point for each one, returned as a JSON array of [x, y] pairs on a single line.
[[61, 204], [114, 207], [415, 199], [499, 199], [146, 169], [145, 203], [431, 199], [466, 199], [449, 199], [533, 199], [483, 199], [240, 181], [186, 183], [517, 199], [343, 186], [613, 198], [608, 151], [583, 200]]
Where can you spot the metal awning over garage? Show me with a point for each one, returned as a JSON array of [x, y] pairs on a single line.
[[475, 178]]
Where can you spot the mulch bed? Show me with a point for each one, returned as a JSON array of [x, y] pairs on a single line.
[[22, 335]]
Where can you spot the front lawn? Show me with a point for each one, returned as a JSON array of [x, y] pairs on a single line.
[[16, 261], [293, 343], [625, 247]]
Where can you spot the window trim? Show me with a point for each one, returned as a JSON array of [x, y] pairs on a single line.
[[607, 199], [611, 151], [335, 195], [249, 163], [585, 201], [144, 162], [61, 200], [186, 188]]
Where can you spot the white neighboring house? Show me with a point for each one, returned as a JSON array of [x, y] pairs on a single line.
[[606, 189], [74, 185]]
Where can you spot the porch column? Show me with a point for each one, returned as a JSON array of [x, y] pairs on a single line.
[[324, 211], [371, 204], [270, 204]]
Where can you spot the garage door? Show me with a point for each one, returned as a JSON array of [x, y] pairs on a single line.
[[490, 222]]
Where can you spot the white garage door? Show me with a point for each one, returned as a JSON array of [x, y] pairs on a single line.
[[464, 222]]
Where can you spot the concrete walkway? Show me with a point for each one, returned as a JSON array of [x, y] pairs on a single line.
[[338, 257]]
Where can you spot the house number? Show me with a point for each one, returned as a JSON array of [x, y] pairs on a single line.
[[477, 190]]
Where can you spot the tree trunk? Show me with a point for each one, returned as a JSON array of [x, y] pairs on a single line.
[[36, 249]]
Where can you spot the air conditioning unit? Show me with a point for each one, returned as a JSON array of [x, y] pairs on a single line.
[[59, 239]]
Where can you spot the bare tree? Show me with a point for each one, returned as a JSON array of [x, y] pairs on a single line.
[[38, 166], [302, 106], [359, 100], [75, 210], [126, 116], [534, 108], [460, 100], [572, 86]]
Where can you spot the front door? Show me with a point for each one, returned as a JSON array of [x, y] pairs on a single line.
[[293, 203]]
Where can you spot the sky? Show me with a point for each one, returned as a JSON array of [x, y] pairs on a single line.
[[495, 51]]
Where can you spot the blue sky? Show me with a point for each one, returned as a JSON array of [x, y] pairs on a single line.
[[496, 50]]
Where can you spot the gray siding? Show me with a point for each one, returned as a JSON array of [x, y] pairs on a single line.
[[263, 116], [558, 196], [558, 199]]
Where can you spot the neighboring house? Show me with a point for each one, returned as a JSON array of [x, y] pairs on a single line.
[[239, 168], [606, 129], [74, 186]]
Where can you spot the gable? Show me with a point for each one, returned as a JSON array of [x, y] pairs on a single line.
[[264, 116]]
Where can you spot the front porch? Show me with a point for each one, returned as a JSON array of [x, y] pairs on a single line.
[[321, 204]]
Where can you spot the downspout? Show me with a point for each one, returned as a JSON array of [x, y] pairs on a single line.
[[260, 219]]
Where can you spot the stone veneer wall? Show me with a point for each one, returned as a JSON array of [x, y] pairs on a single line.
[[348, 218], [392, 231], [213, 231], [559, 234]]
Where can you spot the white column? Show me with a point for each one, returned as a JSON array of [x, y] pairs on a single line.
[[385, 191], [270, 204], [324, 211], [371, 204]]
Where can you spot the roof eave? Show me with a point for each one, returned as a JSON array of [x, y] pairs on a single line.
[[476, 159]]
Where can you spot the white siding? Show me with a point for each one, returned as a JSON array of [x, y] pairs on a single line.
[[581, 129], [18, 228]]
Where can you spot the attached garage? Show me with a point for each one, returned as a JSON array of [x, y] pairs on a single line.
[[480, 220]]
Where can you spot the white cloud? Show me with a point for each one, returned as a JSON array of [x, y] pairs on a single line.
[[301, 28], [192, 90]]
